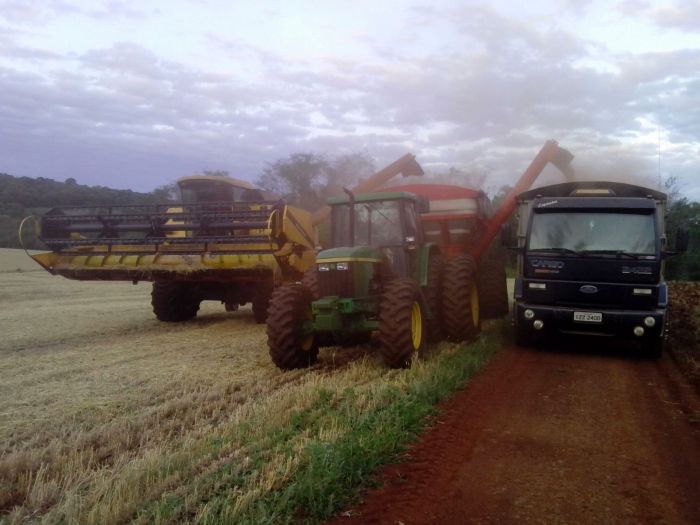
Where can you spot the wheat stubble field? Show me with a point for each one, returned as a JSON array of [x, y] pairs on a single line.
[[109, 416]]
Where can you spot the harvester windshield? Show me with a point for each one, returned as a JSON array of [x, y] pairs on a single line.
[[594, 232]]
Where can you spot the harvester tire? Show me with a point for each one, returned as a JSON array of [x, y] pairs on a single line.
[[433, 298], [173, 302], [401, 323], [290, 310], [460, 299], [492, 284], [261, 302]]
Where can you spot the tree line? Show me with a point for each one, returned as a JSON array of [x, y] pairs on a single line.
[[302, 179]]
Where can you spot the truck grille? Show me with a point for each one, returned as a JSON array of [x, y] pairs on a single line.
[[336, 282]]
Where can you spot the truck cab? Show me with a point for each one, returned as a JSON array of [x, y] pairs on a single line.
[[590, 262]]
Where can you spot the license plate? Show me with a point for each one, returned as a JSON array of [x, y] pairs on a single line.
[[588, 317]]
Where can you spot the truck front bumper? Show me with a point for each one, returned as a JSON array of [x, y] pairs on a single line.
[[628, 324]]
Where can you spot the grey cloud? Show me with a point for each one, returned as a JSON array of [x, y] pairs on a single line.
[[683, 15], [27, 12], [123, 113]]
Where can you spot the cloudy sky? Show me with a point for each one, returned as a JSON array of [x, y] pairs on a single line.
[[134, 94]]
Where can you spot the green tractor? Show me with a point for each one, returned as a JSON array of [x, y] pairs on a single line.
[[379, 277]]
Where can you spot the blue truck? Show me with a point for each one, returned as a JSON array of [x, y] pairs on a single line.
[[591, 262]]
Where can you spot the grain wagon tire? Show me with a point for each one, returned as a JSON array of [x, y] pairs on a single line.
[[173, 302], [460, 299], [310, 281], [653, 348], [492, 285], [401, 323], [261, 302], [433, 298], [289, 315]]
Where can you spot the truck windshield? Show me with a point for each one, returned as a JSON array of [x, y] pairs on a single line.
[[376, 223], [593, 232]]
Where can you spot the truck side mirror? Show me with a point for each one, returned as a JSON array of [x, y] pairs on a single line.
[[682, 238], [506, 235]]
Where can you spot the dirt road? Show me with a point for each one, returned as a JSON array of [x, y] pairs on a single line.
[[552, 436]]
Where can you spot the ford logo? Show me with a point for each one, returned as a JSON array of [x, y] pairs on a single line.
[[545, 263], [588, 288]]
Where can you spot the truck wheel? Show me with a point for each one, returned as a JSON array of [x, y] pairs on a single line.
[[261, 302], [522, 336], [460, 299], [289, 337], [173, 302], [492, 284], [433, 297], [401, 323], [653, 348]]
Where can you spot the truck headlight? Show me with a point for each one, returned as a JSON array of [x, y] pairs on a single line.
[[649, 322], [324, 267], [341, 266], [528, 314]]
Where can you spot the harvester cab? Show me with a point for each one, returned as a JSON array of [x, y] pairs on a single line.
[[379, 276], [200, 189]]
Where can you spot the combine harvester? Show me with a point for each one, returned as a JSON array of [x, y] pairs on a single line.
[[223, 242], [406, 263]]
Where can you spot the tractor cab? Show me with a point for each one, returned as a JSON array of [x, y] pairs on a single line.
[[388, 223]]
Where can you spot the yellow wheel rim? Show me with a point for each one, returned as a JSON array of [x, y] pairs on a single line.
[[416, 326], [474, 304]]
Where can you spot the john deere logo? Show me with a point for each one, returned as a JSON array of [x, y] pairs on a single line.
[[588, 288]]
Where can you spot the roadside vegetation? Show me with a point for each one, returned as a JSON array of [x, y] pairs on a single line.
[[108, 416], [684, 321]]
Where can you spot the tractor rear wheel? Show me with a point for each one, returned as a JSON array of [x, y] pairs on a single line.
[[401, 323], [433, 297], [460, 299], [173, 302], [492, 284], [310, 281], [290, 336]]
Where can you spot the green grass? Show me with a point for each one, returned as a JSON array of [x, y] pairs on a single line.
[[317, 473]]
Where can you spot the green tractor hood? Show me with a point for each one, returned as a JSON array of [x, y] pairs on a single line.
[[369, 254]]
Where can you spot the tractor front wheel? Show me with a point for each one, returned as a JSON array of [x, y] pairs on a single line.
[[460, 299], [290, 336], [401, 323], [173, 302]]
